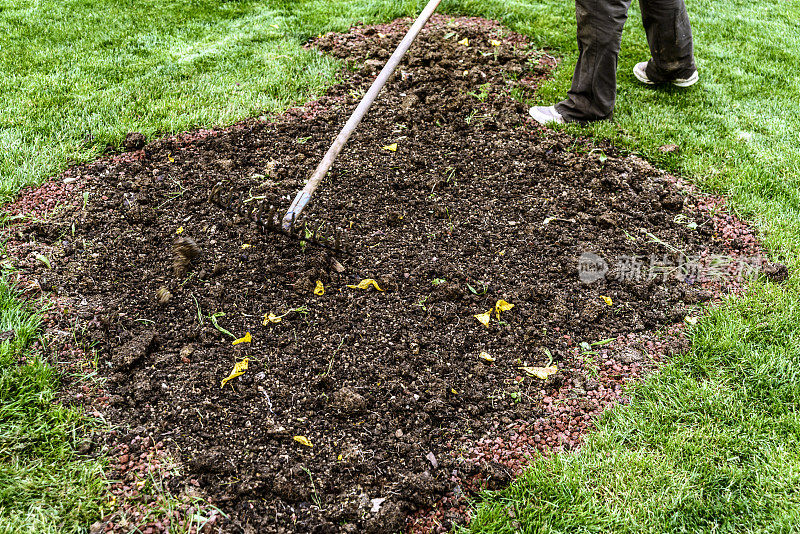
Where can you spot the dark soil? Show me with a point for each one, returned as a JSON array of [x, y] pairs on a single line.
[[476, 205]]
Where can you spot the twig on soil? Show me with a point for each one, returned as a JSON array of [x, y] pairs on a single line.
[[330, 362], [660, 242]]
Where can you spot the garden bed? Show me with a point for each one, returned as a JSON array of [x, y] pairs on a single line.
[[361, 408]]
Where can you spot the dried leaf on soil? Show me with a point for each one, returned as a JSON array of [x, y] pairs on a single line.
[[271, 318], [246, 339], [486, 356], [179, 231], [390, 148], [495, 42], [607, 300], [484, 318], [320, 289], [238, 370], [303, 441], [502, 305], [464, 42], [541, 373], [364, 284]]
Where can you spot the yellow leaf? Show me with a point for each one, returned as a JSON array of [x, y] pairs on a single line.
[[246, 339], [171, 159], [339, 458], [381, 35], [112, 501], [246, 245], [502, 306], [364, 284], [464, 42], [390, 148], [179, 230], [691, 320], [271, 318], [484, 318], [495, 42], [238, 370], [485, 356], [320, 289], [607, 300], [302, 440], [453, 391], [541, 372], [466, 72]]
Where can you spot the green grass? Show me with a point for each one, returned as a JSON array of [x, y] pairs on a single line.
[[44, 486], [708, 444]]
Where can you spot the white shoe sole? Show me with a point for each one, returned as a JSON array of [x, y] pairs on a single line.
[[641, 75], [544, 118]]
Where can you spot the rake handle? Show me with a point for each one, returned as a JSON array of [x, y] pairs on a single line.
[[304, 195]]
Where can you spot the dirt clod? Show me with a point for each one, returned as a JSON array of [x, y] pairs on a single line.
[[775, 272], [184, 250], [134, 141]]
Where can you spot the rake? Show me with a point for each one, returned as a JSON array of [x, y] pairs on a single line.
[[266, 217]]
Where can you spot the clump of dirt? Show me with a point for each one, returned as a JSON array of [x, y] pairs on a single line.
[[359, 407]]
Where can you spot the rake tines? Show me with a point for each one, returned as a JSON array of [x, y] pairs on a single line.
[[266, 217]]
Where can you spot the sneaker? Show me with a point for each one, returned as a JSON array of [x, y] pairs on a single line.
[[640, 71], [546, 115]]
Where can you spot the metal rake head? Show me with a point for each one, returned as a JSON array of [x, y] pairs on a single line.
[[267, 218]]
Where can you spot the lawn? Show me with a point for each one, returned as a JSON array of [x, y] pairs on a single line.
[[708, 443]]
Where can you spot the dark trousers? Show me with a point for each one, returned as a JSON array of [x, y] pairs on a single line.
[[600, 22]]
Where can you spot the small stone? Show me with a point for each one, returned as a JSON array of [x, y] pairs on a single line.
[[338, 267], [399, 433], [376, 504], [187, 351], [432, 459], [124, 459]]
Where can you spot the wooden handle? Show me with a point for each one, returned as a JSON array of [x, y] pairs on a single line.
[[304, 195]]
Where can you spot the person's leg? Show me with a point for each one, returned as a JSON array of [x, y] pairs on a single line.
[[669, 36], [594, 83]]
